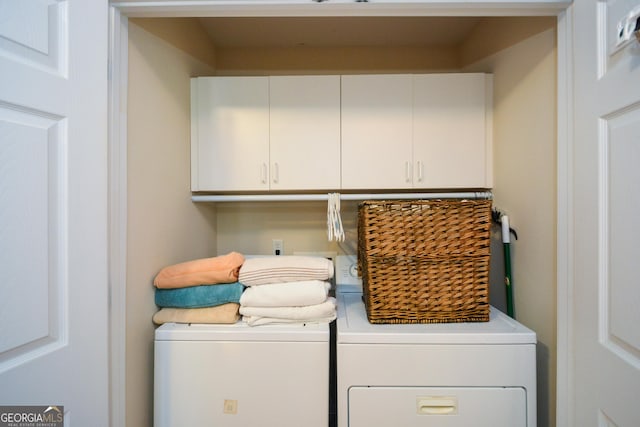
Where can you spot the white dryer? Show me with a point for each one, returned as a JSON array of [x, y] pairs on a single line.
[[448, 375], [238, 375]]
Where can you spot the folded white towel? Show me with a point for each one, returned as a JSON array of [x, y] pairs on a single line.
[[289, 294], [308, 313], [257, 320], [280, 269]]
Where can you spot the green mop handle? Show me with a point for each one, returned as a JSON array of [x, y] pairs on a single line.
[[506, 244]]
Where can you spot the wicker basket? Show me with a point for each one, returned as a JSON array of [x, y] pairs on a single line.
[[425, 261]]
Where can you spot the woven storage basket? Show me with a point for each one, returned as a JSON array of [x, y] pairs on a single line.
[[425, 261]]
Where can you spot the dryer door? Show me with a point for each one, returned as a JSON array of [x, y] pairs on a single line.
[[441, 406]]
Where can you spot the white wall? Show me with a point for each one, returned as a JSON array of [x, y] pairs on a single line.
[[164, 226]]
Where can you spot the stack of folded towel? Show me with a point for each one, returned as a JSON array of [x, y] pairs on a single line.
[[200, 291], [286, 289]]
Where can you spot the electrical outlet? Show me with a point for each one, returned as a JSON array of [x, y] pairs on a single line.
[[278, 247]]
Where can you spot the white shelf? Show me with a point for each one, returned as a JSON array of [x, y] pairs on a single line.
[[346, 196]]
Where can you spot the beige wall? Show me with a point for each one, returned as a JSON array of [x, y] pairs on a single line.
[[494, 34], [251, 227], [525, 188], [491, 35], [164, 227], [184, 33], [334, 60]]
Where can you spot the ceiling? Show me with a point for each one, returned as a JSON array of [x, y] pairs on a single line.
[[286, 32]]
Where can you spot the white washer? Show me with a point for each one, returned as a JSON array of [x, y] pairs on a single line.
[[448, 375], [238, 375]]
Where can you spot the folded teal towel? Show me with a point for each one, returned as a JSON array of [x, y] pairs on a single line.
[[199, 296]]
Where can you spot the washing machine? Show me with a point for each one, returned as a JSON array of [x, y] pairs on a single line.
[[480, 374], [238, 375]]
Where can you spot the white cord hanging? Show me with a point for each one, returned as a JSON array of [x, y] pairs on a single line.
[[329, 219], [340, 232], [334, 220]]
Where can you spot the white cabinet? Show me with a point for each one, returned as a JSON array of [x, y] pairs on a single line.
[[265, 133], [305, 132], [296, 133], [451, 131], [229, 133], [416, 131], [376, 131]]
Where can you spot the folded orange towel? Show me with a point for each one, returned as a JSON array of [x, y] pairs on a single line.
[[205, 271]]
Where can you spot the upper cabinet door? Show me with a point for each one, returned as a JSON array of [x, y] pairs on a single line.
[[230, 134], [451, 131], [376, 131], [304, 132]]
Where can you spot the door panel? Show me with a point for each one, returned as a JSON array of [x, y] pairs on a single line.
[[43, 45], [32, 184], [53, 211], [621, 204]]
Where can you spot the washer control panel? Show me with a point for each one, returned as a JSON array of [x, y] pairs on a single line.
[[347, 270]]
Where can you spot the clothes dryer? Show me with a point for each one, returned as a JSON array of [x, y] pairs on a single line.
[[447, 374]]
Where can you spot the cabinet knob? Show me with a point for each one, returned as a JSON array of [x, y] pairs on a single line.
[[407, 171], [420, 174], [276, 173]]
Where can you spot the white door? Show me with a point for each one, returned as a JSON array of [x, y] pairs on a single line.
[[230, 133], [376, 131], [606, 220], [53, 207], [450, 144], [304, 129]]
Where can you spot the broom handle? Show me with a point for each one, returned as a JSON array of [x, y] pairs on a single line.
[[506, 244]]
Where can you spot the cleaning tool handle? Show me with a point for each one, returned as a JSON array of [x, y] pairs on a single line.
[[506, 234], [507, 279]]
